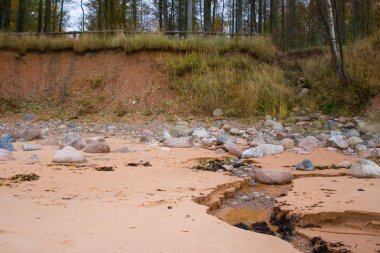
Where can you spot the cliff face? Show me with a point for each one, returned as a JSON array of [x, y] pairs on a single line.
[[98, 82]]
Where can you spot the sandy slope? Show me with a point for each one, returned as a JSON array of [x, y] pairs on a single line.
[[73, 209]]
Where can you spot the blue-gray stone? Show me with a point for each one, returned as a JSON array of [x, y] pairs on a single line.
[[306, 164], [28, 116], [6, 142]]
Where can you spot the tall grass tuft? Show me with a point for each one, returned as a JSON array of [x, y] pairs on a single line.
[[239, 84], [259, 47]]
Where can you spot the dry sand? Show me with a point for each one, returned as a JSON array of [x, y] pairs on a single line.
[[82, 210]]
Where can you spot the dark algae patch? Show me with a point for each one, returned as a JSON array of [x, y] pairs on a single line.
[[18, 178], [104, 168]]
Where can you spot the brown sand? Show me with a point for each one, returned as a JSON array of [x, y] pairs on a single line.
[[73, 209]]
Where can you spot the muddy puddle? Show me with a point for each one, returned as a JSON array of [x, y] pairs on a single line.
[[251, 208]]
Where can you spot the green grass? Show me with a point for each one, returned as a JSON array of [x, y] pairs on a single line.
[[363, 68], [237, 83], [259, 47]]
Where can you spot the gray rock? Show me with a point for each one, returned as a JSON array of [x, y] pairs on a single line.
[[74, 140], [96, 147], [274, 125], [181, 142], [251, 131], [166, 135], [95, 139], [323, 137], [330, 125], [306, 165], [200, 133], [30, 147], [339, 141], [217, 112], [308, 143], [235, 131], [272, 176], [28, 116], [50, 140], [223, 138], [287, 143], [365, 168], [304, 92], [122, 150], [69, 155], [6, 142], [352, 133], [5, 155], [232, 149], [353, 141], [262, 150], [32, 133], [253, 153], [180, 130]]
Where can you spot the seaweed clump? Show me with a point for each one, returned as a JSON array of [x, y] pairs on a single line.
[[18, 178]]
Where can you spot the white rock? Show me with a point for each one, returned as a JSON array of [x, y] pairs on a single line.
[[353, 141], [181, 142], [287, 143], [200, 133], [365, 168], [217, 112], [69, 155], [5, 155], [339, 141]]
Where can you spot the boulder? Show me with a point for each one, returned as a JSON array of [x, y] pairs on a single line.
[[32, 133], [96, 147], [287, 143], [306, 165], [95, 139], [6, 142], [223, 138], [74, 140], [274, 125], [272, 176], [236, 131], [232, 149], [181, 142], [262, 150], [339, 141], [253, 153], [352, 133], [251, 131], [181, 130], [69, 155], [5, 155], [217, 112], [166, 135], [365, 168], [308, 143], [30, 147], [353, 141], [50, 140], [200, 133]]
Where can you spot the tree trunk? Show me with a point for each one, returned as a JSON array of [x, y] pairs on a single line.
[[21, 16], [239, 16], [165, 16], [260, 16], [124, 14], [213, 15], [283, 25], [47, 16], [55, 15], [207, 15], [39, 22], [134, 15], [6, 16], [81, 6], [60, 16], [189, 15]]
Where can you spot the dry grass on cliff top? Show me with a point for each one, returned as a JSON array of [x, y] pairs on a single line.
[[260, 47]]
